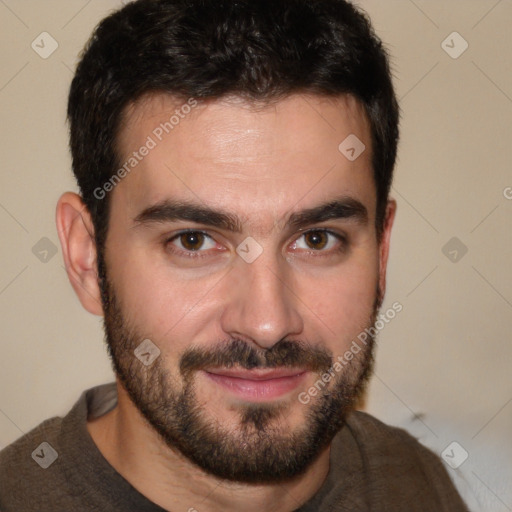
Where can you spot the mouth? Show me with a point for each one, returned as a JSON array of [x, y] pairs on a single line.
[[257, 385]]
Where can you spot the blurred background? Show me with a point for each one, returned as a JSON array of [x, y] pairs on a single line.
[[444, 362]]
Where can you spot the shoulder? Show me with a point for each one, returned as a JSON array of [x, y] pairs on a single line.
[[389, 444], [382, 437], [46, 431], [396, 460], [28, 460]]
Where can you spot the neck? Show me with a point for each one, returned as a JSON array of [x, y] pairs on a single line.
[[165, 477]]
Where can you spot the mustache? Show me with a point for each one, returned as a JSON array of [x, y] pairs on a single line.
[[288, 354]]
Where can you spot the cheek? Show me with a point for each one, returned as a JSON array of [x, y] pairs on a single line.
[[158, 302], [344, 300]]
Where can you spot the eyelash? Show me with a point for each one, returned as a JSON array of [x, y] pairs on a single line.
[[187, 254], [200, 254]]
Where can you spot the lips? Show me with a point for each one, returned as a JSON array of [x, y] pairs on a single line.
[[257, 385]]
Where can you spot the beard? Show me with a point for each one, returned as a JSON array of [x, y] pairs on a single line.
[[259, 449]]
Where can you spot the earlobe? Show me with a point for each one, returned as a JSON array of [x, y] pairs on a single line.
[[76, 234], [385, 243]]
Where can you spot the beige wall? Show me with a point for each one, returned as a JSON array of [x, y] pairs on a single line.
[[443, 364]]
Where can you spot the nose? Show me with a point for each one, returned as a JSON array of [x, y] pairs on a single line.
[[261, 308]]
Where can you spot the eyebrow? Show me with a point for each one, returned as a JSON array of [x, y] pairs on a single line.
[[168, 211]]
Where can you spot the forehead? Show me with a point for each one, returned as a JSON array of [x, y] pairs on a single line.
[[254, 159]]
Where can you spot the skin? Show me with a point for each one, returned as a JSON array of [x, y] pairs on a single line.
[[262, 165]]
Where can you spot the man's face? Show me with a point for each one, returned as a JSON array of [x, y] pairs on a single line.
[[243, 245]]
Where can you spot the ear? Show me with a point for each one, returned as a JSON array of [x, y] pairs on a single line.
[[76, 234], [384, 244]]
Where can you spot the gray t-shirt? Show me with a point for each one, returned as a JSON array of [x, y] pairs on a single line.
[[56, 467]]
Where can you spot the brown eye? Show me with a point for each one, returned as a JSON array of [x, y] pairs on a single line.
[[193, 244], [321, 241], [192, 241], [316, 240]]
